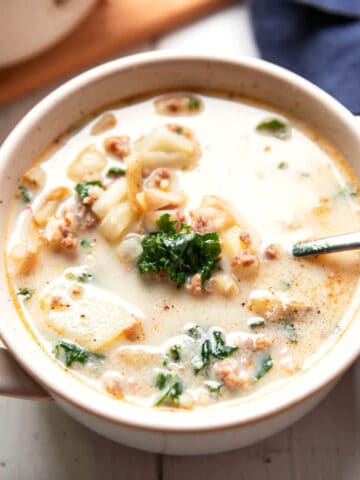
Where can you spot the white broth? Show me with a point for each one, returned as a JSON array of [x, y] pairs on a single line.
[[149, 249]]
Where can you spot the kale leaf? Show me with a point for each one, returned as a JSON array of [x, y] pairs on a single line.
[[274, 127], [179, 253], [212, 346], [115, 172], [74, 353], [265, 364], [24, 193], [26, 293], [173, 393]]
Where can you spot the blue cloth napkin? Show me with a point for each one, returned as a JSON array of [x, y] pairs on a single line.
[[318, 39]]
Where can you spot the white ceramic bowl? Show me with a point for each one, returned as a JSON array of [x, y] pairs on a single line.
[[211, 429], [28, 27]]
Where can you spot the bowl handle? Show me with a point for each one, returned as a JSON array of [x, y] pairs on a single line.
[[14, 382]]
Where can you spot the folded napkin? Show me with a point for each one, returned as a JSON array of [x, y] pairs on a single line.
[[318, 39]]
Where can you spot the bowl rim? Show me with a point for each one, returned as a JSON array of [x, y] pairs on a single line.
[[95, 75]]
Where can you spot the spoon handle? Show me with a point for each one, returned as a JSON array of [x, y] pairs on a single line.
[[337, 243]]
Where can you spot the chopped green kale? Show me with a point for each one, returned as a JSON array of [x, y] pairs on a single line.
[[255, 322], [83, 188], [213, 346], [26, 293], [193, 103], [173, 393], [85, 243], [274, 127], [115, 172], [74, 353], [24, 193], [162, 378], [174, 352], [180, 254], [264, 366], [82, 277]]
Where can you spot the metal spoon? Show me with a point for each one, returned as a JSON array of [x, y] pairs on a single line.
[[337, 243]]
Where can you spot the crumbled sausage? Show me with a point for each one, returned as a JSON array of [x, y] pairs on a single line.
[[200, 224], [272, 252], [93, 194], [118, 146], [173, 104], [245, 238], [229, 372], [194, 285], [58, 233], [112, 384], [85, 218], [245, 259], [262, 343]]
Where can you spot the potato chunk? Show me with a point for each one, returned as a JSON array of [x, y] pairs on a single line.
[[105, 122], [154, 199], [35, 177], [49, 205], [213, 214], [169, 148], [133, 179], [23, 258], [116, 221], [243, 259], [94, 319], [276, 307], [110, 197], [88, 164], [24, 255]]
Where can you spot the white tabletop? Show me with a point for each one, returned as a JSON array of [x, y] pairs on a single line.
[[40, 442]]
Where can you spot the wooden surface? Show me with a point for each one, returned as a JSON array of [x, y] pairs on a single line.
[[40, 442], [112, 26]]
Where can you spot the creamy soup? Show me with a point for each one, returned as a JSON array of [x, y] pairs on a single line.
[[149, 249]]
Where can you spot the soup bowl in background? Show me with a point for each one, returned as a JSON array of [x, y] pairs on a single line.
[[203, 430]]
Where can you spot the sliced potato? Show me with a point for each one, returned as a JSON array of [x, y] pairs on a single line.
[[276, 307], [35, 177], [110, 197], [49, 205], [133, 179], [224, 284], [105, 122], [154, 199], [94, 319], [178, 104], [168, 148], [117, 221], [135, 357], [24, 255], [23, 258], [243, 260], [213, 214], [88, 163]]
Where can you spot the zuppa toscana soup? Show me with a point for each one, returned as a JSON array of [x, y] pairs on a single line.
[[149, 249]]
